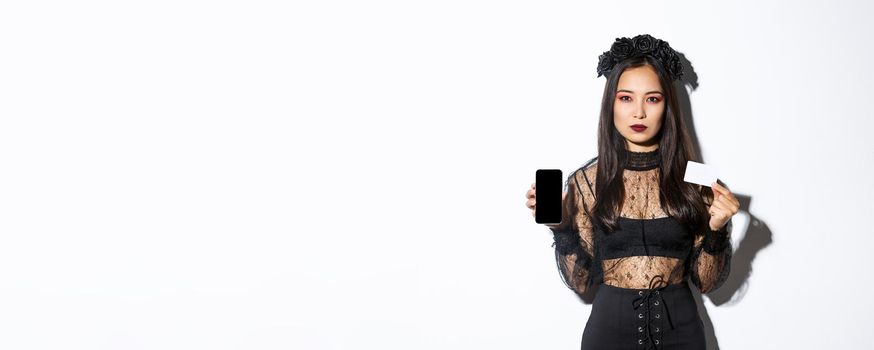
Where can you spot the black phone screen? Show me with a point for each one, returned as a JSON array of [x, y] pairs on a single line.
[[547, 193]]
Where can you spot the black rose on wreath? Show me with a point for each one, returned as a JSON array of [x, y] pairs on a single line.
[[622, 48], [644, 43], [675, 68], [605, 63], [662, 52], [670, 59], [641, 45]]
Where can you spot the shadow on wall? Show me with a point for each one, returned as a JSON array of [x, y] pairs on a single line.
[[753, 238]]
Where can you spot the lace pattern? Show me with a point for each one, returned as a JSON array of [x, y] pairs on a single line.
[[708, 253]]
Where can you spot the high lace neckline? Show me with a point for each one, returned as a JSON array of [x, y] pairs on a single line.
[[642, 160]]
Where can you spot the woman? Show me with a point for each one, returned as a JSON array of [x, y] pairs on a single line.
[[631, 225]]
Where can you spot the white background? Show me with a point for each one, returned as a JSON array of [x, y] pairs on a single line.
[[345, 175]]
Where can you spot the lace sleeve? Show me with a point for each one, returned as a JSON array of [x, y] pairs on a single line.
[[711, 258], [573, 237]]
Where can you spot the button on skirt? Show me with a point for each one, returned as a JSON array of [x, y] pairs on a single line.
[[658, 318]]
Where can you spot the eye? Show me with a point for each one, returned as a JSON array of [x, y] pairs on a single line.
[[655, 99], [622, 97]]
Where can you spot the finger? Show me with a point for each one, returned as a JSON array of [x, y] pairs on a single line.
[[719, 188], [728, 194], [724, 205], [530, 194], [718, 209], [733, 199], [713, 205], [730, 201], [531, 203], [723, 202], [731, 206], [729, 197], [715, 193]]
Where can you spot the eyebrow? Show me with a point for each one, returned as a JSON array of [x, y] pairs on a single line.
[[647, 93]]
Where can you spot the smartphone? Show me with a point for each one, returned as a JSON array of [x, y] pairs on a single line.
[[547, 192]]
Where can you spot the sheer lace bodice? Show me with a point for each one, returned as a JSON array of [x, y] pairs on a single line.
[[650, 249]]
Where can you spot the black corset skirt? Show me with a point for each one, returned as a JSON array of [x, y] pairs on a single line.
[[658, 318]]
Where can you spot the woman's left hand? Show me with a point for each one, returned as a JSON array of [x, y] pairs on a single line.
[[724, 206]]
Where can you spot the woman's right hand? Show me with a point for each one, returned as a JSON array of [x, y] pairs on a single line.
[[531, 202]]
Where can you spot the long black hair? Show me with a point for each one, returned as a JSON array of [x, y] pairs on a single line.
[[681, 200]]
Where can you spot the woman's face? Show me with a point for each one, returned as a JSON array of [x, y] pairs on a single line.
[[639, 101]]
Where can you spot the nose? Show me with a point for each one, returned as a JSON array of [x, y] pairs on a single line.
[[640, 112]]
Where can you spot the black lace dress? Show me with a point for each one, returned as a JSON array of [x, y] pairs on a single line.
[[643, 300]]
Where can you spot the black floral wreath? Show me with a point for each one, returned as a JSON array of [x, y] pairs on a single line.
[[644, 44]]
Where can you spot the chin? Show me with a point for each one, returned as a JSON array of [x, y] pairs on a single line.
[[640, 140]]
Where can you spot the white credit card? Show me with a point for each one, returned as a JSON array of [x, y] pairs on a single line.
[[701, 174]]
